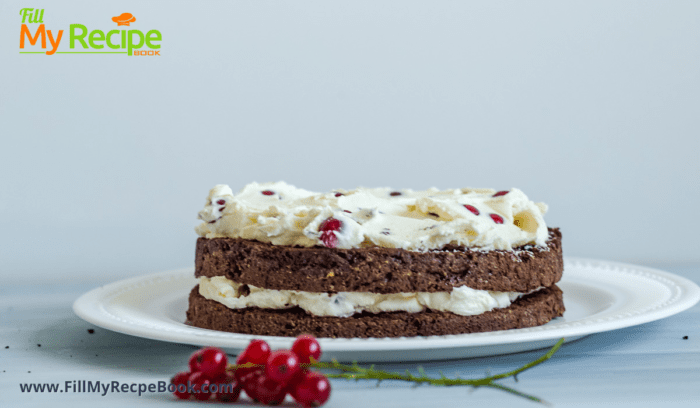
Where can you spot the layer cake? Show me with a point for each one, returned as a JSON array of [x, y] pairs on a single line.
[[278, 260]]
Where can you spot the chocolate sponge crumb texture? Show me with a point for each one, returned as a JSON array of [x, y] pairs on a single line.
[[377, 270]]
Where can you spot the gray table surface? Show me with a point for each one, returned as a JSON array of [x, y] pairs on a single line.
[[43, 341]]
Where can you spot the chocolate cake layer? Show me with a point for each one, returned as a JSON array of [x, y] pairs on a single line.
[[531, 310], [379, 270]]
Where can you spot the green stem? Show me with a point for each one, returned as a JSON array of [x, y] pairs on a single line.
[[531, 364], [518, 393], [355, 372]]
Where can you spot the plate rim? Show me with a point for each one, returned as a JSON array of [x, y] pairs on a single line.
[[687, 294]]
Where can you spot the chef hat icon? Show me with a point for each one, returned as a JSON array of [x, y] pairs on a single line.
[[124, 19]]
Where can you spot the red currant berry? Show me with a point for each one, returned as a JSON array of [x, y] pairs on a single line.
[[330, 224], [210, 361], [313, 390], [267, 192], [496, 218], [193, 362], [228, 390], [282, 366], [249, 383], [242, 372], [327, 229], [221, 202], [179, 380], [269, 391], [292, 384], [472, 209], [200, 386], [500, 193], [306, 347], [329, 239], [339, 194], [257, 353]]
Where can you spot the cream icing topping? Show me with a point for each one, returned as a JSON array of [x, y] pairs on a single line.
[[282, 214], [461, 300]]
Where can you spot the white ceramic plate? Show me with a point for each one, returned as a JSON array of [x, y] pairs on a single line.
[[598, 295]]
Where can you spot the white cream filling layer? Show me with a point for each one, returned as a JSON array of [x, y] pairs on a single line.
[[462, 300]]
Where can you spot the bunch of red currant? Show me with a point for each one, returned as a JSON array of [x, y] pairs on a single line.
[[266, 376]]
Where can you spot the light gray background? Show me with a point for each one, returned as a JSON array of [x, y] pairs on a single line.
[[592, 107]]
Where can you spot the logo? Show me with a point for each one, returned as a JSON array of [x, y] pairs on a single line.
[[82, 40], [124, 19]]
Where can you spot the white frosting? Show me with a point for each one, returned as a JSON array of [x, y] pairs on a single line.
[[413, 220], [462, 300]]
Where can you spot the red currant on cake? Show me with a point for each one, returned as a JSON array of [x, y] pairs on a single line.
[[328, 229], [313, 390], [472, 209], [306, 347], [496, 218], [282, 366], [500, 193], [210, 361]]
